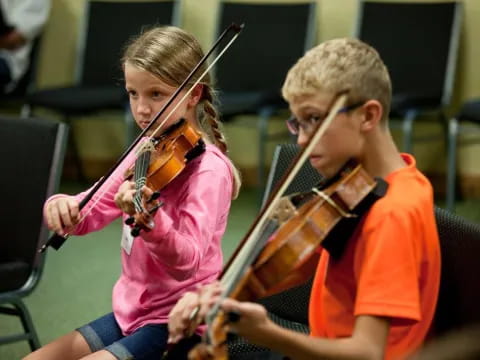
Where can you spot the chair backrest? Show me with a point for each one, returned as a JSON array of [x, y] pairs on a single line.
[[459, 298], [282, 157], [418, 41], [31, 167], [108, 25], [274, 37]]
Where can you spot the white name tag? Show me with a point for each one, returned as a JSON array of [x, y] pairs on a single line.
[[127, 239]]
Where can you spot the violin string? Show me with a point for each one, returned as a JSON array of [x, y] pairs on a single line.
[[140, 172], [144, 145], [101, 192], [246, 250], [228, 280], [241, 261]]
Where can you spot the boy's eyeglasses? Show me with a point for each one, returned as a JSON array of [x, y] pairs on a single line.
[[294, 125]]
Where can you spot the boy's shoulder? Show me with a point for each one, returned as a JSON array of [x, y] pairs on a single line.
[[409, 194]]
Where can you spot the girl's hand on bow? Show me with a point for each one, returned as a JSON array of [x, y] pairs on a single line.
[[62, 214]]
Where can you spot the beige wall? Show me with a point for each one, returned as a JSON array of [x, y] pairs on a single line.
[[336, 18]]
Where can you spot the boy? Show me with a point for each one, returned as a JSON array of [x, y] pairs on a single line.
[[378, 299]]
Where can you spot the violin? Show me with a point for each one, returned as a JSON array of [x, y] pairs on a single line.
[[159, 162], [260, 266], [293, 244]]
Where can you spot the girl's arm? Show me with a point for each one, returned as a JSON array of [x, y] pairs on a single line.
[[104, 211], [202, 211]]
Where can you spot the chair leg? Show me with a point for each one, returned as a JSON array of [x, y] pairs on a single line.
[[27, 323], [451, 164], [26, 111], [264, 115], [407, 128]]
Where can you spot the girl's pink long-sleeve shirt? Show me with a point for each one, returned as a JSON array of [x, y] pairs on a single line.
[[182, 250]]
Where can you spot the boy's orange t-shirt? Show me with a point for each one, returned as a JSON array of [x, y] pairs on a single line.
[[390, 268]]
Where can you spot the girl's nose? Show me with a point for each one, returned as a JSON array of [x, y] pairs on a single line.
[[143, 107]]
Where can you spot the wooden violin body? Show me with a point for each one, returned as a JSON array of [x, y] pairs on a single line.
[[299, 238], [157, 165], [170, 154]]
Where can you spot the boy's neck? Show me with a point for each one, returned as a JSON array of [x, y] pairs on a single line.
[[381, 155]]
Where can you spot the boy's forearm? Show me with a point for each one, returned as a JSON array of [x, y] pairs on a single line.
[[298, 346]]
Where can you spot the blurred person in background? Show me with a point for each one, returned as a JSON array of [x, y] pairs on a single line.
[[21, 21]]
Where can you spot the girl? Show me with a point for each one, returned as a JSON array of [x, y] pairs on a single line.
[[183, 249]]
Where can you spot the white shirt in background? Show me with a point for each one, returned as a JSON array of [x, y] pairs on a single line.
[[28, 17]]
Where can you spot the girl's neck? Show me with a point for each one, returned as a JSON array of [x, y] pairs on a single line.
[[195, 123]]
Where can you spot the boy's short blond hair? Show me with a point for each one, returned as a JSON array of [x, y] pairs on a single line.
[[337, 65]]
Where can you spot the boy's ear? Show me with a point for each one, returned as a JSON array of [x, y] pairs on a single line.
[[195, 95], [372, 115]]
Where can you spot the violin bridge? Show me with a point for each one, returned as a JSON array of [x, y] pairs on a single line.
[[284, 210], [330, 201]]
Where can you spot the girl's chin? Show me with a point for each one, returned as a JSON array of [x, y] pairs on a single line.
[[142, 125]]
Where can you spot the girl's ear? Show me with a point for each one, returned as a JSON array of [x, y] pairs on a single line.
[[373, 112], [195, 95]]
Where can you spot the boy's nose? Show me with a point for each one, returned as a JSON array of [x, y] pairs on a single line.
[[302, 138]]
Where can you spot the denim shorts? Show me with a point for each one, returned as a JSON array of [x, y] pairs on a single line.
[[146, 343]]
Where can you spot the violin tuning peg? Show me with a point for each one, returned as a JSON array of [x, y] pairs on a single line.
[[155, 195], [135, 231], [130, 220], [155, 208]]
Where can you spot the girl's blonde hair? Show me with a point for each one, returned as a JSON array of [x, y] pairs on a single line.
[[171, 53], [338, 65]]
